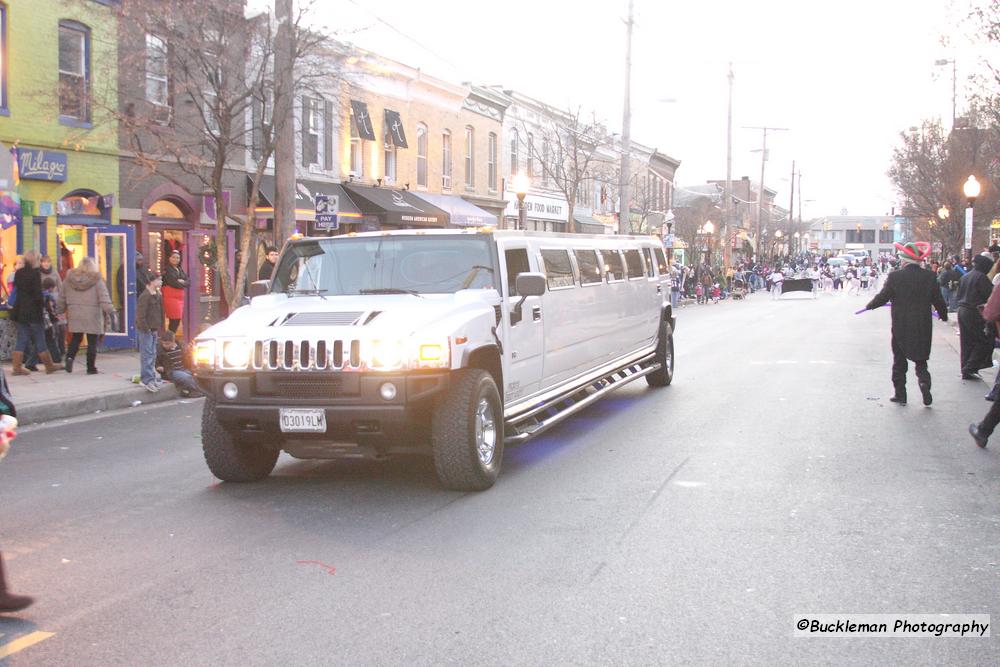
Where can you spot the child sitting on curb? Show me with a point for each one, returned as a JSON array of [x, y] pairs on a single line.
[[172, 363]]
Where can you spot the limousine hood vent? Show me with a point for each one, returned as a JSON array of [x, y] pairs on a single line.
[[321, 319]]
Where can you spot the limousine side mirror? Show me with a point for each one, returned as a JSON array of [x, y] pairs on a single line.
[[527, 284], [259, 288]]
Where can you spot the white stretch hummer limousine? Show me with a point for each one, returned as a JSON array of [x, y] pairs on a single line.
[[450, 342]]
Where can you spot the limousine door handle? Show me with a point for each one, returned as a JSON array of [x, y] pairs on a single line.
[[536, 313]]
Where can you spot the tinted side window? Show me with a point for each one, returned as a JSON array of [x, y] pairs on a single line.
[[647, 254], [633, 263], [661, 261], [517, 262], [613, 265], [590, 267], [558, 268]]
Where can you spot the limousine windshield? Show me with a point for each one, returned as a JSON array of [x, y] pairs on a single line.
[[430, 264]]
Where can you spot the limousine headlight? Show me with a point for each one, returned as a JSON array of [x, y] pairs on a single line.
[[204, 353], [235, 354], [431, 354], [385, 355], [394, 354]]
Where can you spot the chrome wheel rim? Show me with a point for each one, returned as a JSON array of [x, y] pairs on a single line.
[[486, 432]]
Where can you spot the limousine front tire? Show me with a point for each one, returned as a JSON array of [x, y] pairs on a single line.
[[229, 460], [467, 432], [664, 356]]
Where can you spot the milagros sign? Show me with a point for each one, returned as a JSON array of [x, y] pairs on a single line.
[[39, 165]]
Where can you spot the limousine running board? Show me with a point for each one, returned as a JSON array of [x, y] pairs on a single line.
[[543, 417]]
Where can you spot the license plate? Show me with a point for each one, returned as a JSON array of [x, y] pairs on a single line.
[[296, 420]]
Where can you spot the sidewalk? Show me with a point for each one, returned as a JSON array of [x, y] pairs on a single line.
[[43, 398]]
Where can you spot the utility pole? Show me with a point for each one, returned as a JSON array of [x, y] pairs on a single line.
[[760, 193], [624, 205], [284, 149], [800, 199], [791, 203], [728, 194]]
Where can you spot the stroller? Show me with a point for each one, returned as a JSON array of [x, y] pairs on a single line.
[[739, 289]]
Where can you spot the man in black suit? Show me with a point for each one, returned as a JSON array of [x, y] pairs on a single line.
[[912, 290]]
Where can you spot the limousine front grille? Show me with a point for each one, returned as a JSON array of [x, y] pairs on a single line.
[[306, 355]]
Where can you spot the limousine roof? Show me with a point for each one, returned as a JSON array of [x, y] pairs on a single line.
[[501, 233]]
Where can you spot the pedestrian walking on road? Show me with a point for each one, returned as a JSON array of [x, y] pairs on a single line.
[[87, 305], [148, 323], [8, 601], [912, 291], [28, 315], [983, 430], [973, 292]]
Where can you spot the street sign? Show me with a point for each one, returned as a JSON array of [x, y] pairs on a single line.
[[327, 208], [668, 241]]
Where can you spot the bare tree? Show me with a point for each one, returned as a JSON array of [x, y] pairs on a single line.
[[219, 69], [570, 152], [928, 170]]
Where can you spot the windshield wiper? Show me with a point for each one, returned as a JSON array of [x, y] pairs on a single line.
[[473, 272], [307, 292], [390, 290]]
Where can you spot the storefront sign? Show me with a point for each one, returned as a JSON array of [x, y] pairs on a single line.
[[538, 207], [39, 165], [327, 208]]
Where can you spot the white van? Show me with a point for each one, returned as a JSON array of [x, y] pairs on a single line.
[[449, 342]]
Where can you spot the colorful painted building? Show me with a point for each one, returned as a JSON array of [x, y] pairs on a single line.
[[59, 154]]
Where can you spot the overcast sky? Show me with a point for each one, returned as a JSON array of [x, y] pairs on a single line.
[[845, 77]]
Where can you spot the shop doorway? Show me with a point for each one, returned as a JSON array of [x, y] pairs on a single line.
[[112, 248], [205, 304]]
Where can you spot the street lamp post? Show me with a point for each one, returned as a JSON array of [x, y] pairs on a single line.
[[521, 185], [971, 190], [708, 229], [798, 248], [777, 241]]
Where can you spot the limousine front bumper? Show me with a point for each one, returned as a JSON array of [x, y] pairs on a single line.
[[357, 406]]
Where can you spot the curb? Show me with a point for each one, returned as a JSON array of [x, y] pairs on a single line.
[[47, 411]]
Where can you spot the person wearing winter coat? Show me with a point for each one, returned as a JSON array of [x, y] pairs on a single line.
[[9, 602], [175, 287], [87, 304], [913, 291], [976, 345], [27, 315], [982, 431]]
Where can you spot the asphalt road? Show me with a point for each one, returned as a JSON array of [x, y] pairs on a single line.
[[682, 525]]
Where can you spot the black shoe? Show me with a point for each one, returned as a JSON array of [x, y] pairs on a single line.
[[977, 435], [971, 376], [32, 368], [992, 396], [925, 389], [69, 364], [899, 399], [92, 371], [10, 602]]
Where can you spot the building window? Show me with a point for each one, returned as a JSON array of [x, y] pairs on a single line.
[[470, 147], [357, 150], [312, 135], [422, 155], [3, 57], [885, 236], [545, 162], [156, 71], [446, 160], [530, 151], [492, 171], [389, 155], [514, 159], [74, 71]]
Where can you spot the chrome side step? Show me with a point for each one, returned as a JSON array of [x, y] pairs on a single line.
[[542, 418]]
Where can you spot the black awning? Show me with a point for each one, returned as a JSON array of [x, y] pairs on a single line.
[[396, 207], [363, 121], [268, 186], [394, 129]]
